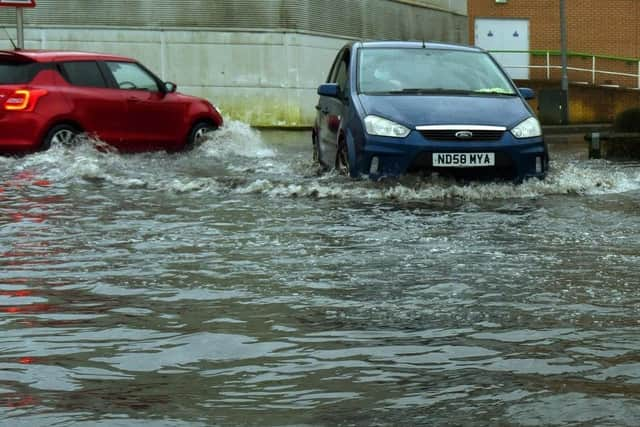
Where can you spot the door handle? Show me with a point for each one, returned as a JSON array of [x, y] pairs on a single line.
[[132, 99]]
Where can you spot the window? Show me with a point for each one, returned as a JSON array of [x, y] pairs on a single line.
[[17, 72], [342, 77], [83, 73], [334, 68], [129, 75], [412, 70]]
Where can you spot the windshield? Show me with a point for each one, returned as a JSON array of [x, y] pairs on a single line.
[[424, 70], [16, 72]]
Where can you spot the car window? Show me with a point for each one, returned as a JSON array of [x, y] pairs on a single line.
[[412, 70], [12, 72], [83, 73], [342, 75], [129, 75], [334, 68]]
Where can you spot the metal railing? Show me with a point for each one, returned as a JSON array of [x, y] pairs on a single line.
[[615, 64]]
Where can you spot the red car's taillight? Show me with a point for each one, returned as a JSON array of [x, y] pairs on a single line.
[[24, 99]]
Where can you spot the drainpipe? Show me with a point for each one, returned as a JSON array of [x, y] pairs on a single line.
[[563, 53], [20, 27]]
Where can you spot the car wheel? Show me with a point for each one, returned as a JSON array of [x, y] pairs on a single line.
[[316, 153], [342, 159], [63, 134], [199, 134]]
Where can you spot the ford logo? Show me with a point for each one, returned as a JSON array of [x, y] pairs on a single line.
[[464, 134]]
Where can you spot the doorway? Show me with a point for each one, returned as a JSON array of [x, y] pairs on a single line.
[[506, 35]]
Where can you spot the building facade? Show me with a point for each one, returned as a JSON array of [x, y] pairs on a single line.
[[602, 36], [260, 61]]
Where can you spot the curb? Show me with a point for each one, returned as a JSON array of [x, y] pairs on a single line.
[[551, 130]]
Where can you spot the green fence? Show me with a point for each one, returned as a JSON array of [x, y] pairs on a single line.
[[603, 70]]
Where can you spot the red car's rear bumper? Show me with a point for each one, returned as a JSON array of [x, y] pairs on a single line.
[[19, 132]]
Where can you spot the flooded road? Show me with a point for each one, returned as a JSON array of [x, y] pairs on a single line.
[[236, 285]]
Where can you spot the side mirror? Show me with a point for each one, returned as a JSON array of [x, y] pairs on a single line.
[[329, 89], [527, 93], [170, 87]]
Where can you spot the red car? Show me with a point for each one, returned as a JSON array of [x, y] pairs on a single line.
[[49, 97]]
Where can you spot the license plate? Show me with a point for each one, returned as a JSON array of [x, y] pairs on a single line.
[[463, 160]]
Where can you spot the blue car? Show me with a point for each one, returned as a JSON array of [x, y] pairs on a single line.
[[395, 108]]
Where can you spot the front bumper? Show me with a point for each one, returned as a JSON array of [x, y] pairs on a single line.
[[515, 159]]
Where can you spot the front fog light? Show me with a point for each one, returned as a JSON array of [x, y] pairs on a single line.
[[375, 165]]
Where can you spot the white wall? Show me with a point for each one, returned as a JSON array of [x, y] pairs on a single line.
[[262, 78]]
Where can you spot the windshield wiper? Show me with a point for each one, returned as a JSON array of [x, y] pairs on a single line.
[[494, 92], [435, 90], [440, 91]]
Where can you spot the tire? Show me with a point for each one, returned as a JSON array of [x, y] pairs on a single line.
[[198, 134], [342, 159], [316, 154], [63, 134]]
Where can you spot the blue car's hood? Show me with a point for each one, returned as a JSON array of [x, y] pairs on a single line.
[[416, 110]]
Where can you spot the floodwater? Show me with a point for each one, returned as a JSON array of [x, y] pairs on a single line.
[[235, 285]]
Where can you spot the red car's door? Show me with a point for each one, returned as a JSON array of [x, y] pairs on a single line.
[[155, 119], [100, 110]]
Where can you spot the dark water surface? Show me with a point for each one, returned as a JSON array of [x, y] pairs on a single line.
[[235, 285]]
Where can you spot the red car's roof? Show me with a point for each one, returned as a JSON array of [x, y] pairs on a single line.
[[61, 55]]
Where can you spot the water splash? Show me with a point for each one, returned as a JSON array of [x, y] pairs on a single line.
[[567, 177], [237, 160], [236, 138]]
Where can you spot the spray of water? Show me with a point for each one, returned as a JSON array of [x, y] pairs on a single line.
[[565, 178], [236, 139], [236, 160]]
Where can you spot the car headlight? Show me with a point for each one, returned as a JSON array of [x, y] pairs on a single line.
[[529, 128], [382, 127]]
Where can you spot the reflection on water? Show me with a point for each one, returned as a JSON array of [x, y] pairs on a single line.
[[237, 285]]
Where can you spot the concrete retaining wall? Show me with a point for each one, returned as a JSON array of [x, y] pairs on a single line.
[[259, 61], [263, 78], [587, 103]]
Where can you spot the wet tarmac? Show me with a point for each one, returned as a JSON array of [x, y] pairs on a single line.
[[238, 285]]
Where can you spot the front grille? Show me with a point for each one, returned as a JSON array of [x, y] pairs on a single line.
[[450, 135]]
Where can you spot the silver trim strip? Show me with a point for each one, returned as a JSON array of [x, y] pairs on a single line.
[[461, 127]]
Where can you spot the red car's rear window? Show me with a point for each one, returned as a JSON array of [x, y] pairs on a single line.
[[17, 72]]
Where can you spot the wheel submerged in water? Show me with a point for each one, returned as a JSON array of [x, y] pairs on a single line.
[[199, 134], [63, 134]]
